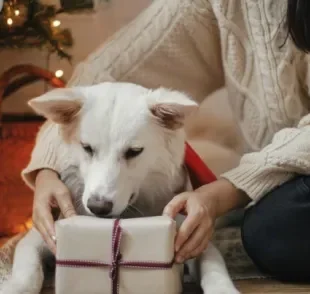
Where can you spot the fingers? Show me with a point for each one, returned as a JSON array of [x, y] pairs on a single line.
[[64, 201], [195, 244], [176, 205], [50, 193], [43, 216], [201, 248], [47, 238], [195, 214], [43, 221], [48, 223]]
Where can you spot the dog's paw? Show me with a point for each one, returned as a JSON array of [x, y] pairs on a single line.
[[14, 287], [220, 289], [10, 287]]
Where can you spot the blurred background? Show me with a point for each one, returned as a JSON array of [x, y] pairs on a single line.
[[56, 36]]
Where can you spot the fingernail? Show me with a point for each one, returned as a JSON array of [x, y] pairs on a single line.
[[54, 238], [177, 247], [179, 259]]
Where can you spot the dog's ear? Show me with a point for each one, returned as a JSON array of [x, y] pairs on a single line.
[[171, 108], [60, 105]]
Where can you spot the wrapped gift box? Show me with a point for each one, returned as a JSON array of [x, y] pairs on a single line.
[[105, 256]]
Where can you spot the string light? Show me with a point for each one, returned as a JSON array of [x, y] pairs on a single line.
[[56, 23], [9, 21], [59, 73], [13, 17], [28, 223]]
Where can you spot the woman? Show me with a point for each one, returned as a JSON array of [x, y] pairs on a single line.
[[257, 49]]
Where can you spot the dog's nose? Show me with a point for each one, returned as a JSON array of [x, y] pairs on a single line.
[[99, 205]]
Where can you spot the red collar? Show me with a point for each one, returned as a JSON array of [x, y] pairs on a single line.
[[199, 172]]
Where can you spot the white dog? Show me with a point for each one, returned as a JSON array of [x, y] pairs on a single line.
[[125, 152]]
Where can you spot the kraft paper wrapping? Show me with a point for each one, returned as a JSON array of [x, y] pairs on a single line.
[[83, 239]]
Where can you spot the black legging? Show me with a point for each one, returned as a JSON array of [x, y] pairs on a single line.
[[275, 233]]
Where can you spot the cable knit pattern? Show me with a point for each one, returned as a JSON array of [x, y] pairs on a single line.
[[197, 46]]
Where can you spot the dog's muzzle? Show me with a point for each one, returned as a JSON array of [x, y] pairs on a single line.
[[99, 206]]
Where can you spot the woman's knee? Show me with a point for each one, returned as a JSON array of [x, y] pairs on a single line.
[[275, 231]]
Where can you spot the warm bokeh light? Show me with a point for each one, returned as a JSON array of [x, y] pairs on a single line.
[[56, 23], [59, 73]]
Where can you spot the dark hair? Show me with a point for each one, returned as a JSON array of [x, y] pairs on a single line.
[[298, 23]]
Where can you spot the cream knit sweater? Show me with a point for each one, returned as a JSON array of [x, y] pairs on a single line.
[[198, 46]]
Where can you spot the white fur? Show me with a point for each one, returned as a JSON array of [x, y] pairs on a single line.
[[114, 117]]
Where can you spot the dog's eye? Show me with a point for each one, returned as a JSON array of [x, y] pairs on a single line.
[[88, 149], [132, 152]]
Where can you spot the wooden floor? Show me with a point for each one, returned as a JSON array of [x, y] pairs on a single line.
[[257, 287], [270, 286]]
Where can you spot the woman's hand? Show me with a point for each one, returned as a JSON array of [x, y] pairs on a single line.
[[196, 231], [50, 193], [202, 207]]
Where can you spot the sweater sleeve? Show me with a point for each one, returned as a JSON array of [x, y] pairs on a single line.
[[174, 44], [287, 155]]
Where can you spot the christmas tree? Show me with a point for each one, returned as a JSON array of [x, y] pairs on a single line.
[[29, 23]]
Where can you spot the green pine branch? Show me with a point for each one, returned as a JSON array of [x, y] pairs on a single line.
[[37, 31]]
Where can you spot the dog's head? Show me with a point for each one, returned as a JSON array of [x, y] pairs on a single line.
[[122, 135]]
